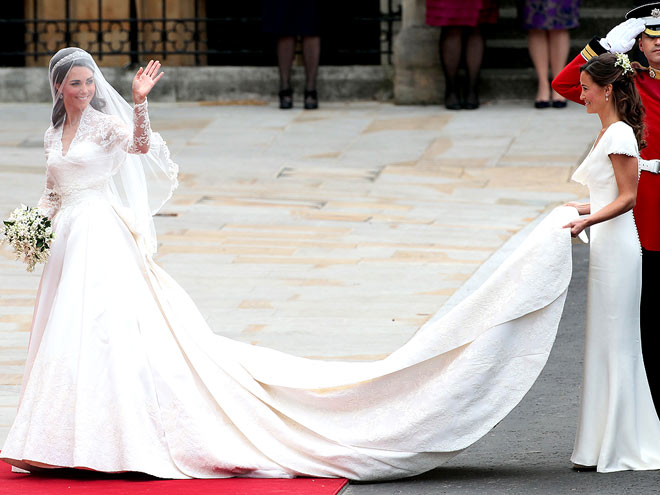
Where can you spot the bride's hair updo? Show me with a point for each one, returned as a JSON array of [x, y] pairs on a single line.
[[57, 77], [603, 70]]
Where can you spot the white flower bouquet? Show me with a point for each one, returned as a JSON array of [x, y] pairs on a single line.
[[29, 232]]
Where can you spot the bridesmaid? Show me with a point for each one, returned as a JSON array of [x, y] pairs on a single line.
[[618, 428]]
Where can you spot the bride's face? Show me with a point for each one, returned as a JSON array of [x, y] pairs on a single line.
[[78, 88], [593, 95]]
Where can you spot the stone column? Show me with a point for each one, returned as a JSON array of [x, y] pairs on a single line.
[[417, 73]]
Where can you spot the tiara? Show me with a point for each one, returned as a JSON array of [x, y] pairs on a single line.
[[76, 54], [623, 61]]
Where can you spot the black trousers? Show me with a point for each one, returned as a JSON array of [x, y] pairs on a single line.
[[650, 321]]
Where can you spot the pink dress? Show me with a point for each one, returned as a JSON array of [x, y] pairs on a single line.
[[461, 12]]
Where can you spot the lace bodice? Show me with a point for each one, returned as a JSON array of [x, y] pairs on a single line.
[[96, 152]]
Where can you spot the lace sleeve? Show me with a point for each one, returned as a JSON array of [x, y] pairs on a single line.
[[134, 140], [50, 200], [141, 129]]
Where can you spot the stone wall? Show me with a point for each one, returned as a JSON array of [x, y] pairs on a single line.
[[335, 83]]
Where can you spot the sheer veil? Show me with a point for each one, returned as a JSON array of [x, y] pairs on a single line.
[[142, 183]]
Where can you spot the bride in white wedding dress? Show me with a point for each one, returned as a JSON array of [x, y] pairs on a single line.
[[123, 373]]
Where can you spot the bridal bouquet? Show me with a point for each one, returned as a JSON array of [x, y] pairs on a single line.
[[29, 232]]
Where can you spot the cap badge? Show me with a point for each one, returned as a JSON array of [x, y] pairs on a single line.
[[655, 13]]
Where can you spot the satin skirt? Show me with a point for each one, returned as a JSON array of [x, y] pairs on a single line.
[[618, 427], [123, 373]]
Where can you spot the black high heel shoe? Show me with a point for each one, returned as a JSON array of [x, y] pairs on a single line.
[[286, 98], [472, 99], [452, 102], [311, 100]]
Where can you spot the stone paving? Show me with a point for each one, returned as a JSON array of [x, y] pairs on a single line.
[[334, 233]]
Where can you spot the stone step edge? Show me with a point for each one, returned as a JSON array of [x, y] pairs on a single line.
[[259, 84]]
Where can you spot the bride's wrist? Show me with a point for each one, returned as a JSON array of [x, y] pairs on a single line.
[[138, 101]]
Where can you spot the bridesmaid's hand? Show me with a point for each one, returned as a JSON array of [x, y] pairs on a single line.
[[577, 226], [145, 80], [582, 208]]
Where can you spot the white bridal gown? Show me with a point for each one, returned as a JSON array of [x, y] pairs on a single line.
[[123, 373], [618, 427]]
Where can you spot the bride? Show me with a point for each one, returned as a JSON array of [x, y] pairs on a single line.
[[123, 373]]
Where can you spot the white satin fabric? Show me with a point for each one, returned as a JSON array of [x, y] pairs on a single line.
[[618, 427], [123, 373]]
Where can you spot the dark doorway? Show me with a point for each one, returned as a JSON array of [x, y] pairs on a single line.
[[350, 33], [12, 34]]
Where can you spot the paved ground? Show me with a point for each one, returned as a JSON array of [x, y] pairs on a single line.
[[337, 233], [529, 451]]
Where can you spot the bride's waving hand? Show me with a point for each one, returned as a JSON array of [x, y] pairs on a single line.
[[145, 80]]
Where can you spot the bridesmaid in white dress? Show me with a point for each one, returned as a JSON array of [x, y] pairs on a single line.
[[618, 428]]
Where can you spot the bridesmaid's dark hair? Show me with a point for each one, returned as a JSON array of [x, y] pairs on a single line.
[[627, 102], [57, 78]]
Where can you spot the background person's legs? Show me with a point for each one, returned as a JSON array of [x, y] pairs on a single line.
[[560, 45], [451, 48], [537, 42], [474, 54]]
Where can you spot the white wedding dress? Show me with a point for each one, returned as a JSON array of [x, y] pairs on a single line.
[[123, 373], [618, 427]]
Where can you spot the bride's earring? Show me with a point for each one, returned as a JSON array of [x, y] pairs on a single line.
[[607, 97]]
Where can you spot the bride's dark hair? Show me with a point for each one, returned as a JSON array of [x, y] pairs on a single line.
[[57, 78], [627, 102]]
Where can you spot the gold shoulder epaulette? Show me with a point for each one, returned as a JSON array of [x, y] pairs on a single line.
[[588, 53]]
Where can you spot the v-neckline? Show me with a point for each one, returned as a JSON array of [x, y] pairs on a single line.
[[73, 139], [600, 138]]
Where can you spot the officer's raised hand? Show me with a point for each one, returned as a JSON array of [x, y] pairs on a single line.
[[622, 37]]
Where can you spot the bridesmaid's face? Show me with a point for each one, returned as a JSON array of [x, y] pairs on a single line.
[[650, 46], [592, 94], [79, 88]]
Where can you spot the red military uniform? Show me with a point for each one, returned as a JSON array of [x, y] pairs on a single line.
[[647, 209]]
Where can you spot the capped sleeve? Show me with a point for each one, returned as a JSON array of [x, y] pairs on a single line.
[[622, 141]]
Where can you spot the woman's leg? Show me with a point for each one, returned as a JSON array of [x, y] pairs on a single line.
[[311, 55], [451, 47], [560, 45], [537, 42], [474, 54], [286, 47]]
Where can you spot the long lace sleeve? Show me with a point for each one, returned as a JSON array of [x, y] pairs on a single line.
[[119, 134], [50, 200], [141, 129]]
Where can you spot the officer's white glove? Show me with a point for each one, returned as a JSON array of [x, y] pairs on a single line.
[[622, 37]]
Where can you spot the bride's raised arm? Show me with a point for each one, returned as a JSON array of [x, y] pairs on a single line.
[[143, 83], [141, 129], [137, 140]]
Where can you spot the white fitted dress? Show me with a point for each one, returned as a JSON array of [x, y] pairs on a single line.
[[618, 427]]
